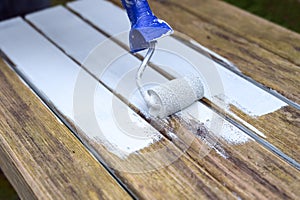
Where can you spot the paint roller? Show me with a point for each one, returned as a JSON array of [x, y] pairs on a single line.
[[173, 96]]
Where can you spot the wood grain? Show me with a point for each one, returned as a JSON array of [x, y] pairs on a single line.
[[282, 136], [226, 30], [259, 62], [159, 171], [266, 34], [40, 156], [250, 171], [245, 164], [281, 129]]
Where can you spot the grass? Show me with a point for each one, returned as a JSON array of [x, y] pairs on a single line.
[[6, 190], [283, 12]]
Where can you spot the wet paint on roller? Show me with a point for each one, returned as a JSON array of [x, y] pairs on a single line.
[[228, 133], [175, 95], [171, 97], [232, 122]]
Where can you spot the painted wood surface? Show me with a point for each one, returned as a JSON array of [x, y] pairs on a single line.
[[159, 166], [257, 115], [230, 159], [40, 156], [189, 160]]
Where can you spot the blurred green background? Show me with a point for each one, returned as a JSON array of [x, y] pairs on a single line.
[[283, 12]]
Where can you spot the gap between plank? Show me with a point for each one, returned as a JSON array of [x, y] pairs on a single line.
[[235, 34], [232, 69], [247, 131], [158, 125], [61, 117], [226, 65], [191, 160]]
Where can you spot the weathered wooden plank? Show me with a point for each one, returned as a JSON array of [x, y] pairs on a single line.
[[40, 156], [254, 61], [145, 163], [239, 167], [259, 64], [236, 90], [267, 35]]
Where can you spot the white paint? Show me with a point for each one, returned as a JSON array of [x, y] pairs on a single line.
[[221, 152], [40, 61], [29, 88], [59, 18], [121, 73], [246, 96], [237, 90], [122, 127], [56, 77], [175, 95], [261, 134], [195, 43], [98, 12], [172, 135], [219, 127], [120, 76]]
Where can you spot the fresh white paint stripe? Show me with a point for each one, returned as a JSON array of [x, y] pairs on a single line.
[[109, 17], [41, 62], [78, 46], [65, 84], [117, 68], [105, 15], [237, 91]]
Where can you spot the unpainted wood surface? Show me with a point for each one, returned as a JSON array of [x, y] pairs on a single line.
[[247, 164], [40, 156], [263, 51], [267, 35], [249, 170]]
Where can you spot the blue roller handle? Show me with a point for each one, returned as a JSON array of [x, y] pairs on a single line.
[[145, 26]]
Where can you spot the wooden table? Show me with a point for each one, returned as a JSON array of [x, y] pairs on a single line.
[[72, 125]]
